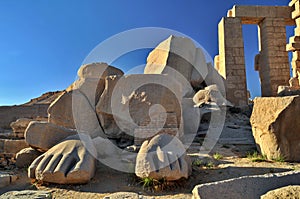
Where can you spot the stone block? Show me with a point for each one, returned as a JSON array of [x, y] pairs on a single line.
[[293, 47], [297, 30], [266, 11], [276, 133], [296, 64], [43, 135], [26, 156], [296, 55], [13, 146], [297, 22], [296, 10], [24, 194], [287, 191], [6, 179], [247, 187], [292, 2]]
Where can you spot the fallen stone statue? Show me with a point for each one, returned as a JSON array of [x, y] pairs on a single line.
[[103, 114]]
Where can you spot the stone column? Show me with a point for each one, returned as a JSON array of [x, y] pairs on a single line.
[[231, 60], [294, 42], [274, 69]]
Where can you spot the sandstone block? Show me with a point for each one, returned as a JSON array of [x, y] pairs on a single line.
[[25, 194], [283, 192], [43, 135], [26, 156], [20, 125], [73, 110], [246, 187], [127, 102], [178, 57], [208, 95], [60, 111], [91, 80], [276, 128], [13, 146]]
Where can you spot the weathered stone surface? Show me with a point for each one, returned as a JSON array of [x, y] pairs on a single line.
[[43, 135], [289, 192], [190, 115], [247, 187], [69, 162], [276, 127], [287, 91], [91, 80], [12, 146], [26, 156], [98, 70], [6, 179], [20, 125], [25, 194], [73, 110], [60, 111], [85, 117], [9, 114], [36, 109], [210, 94], [127, 101], [178, 57], [105, 148], [231, 60], [163, 156], [254, 14], [122, 195]]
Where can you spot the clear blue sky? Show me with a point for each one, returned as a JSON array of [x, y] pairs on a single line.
[[43, 43]]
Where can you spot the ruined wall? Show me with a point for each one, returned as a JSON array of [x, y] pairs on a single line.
[[272, 61]]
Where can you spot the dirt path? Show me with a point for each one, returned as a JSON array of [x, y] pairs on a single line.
[[108, 181]]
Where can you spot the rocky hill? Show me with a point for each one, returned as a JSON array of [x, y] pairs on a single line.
[[36, 107]]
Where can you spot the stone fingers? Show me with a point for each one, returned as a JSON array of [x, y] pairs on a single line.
[[33, 166]]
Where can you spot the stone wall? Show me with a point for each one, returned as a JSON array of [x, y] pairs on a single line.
[[10, 114], [272, 61]]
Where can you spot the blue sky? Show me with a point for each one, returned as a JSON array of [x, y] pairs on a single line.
[[43, 43]]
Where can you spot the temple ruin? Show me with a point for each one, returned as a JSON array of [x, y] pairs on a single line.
[[272, 62]]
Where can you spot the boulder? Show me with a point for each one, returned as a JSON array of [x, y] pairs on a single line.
[[288, 192], [276, 127], [127, 102], [179, 57], [12, 146], [43, 135], [73, 110], [91, 80], [72, 161], [26, 156], [20, 125], [179, 54], [60, 111], [164, 156], [210, 94]]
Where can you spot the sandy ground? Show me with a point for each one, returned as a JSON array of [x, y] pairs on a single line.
[[108, 181]]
